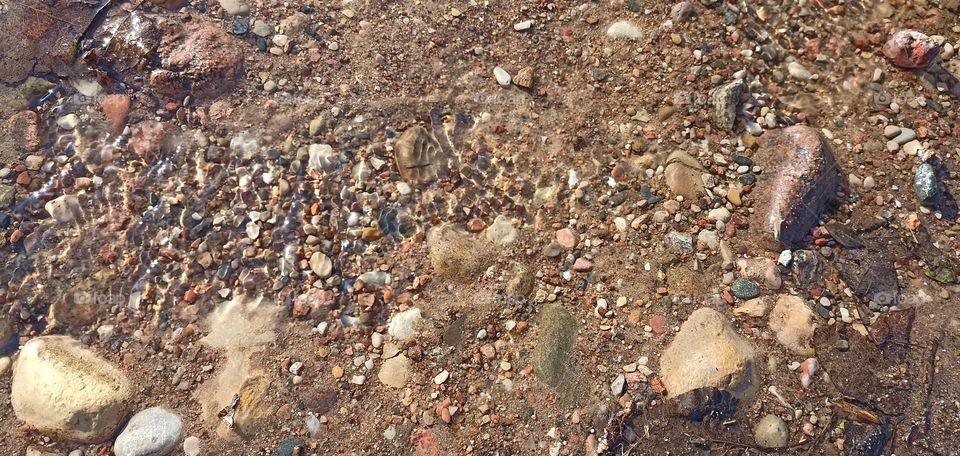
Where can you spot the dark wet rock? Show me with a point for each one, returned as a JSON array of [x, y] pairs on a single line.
[[745, 289], [926, 185], [801, 178], [553, 357], [844, 235], [726, 102], [911, 49], [870, 273], [705, 404], [892, 333]]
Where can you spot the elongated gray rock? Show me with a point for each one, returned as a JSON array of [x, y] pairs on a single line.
[[63, 389], [800, 177]]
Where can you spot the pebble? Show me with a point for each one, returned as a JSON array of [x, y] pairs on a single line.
[[566, 238], [745, 289], [798, 71], [151, 432], [68, 122], [771, 432], [523, 25], [524, 78], [442, 377], [904, 136], [618, 384], [191, 446], [926, 185], [235, 7], [403, 325], [623, 29], [891, 131], [503, 78], [321, 265]]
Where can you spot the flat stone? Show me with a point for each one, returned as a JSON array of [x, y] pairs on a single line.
[[64, 209], [502, 76], [501, 231], [708, 352], [552, 354], [63, 389], [235, 7], [926, 185], [566, 238], [321, 265], [771, 432], [794, 323], [395, 371], [152, 432], [801, 178], [683, 175]]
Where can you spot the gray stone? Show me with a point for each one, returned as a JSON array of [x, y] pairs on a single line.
[[771, 432], [726, 102], [152, 432], [503, 78], [552, 356], [680, 241], [191, 446]]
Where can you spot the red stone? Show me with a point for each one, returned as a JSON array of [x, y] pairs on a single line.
[[658, 324], [115, 108], [911, 49]]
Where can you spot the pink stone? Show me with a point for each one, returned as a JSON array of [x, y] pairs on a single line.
[[911, 49], [566, 238], [582, 265]]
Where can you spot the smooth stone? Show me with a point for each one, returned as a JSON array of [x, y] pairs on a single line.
[[395, 371], [235, 7], [63, 389], [623, 29], [771, 432], [191, 446], [321, 265], [794, 323], [503, 78], [799, 72], [152, 432]]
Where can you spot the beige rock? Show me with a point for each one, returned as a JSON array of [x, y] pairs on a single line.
[[708, 352], [61, 388], [794, 323], [683, 174], [756, 307], [456, 254], [395, 371]]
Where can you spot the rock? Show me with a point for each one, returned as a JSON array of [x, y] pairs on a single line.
[[708, 352], [801, 178], [771, 432], [61, 388], [720, 214], [290, 446], [523, 25], [395, 371], [456, 254], [566, 238], [321, 265], [552, 354], [623, 29], [501, 231], [582, 265], [64, 209], [799, 72], [683, 175], [794, 324], [756, 307], [682, 12], [264, 29], [680, 241], [524, 78], [726, 102], [191, 446], [419, 157], [618, 384], [235, 7], [152, 432], [115, 108], [322, 158], [201, 60], [745, 289], [404, 324], [21, 133], [891, 131], [146, 140], [7, 195], [926, 185], [503, 78], [911, 49]]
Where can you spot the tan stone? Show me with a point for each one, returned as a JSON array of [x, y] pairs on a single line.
[[395, 371], [794, 323], [63, 389], [709, 352], [684, 175]]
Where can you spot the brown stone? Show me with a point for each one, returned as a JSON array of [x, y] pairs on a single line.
[[115, 108], [21, 129], [800, 177], [200, 60], [146, 140], [911, 49], [524, 78]]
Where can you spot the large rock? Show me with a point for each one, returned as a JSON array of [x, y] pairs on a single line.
[[552, 356], [800, 178], [199, 59], [61, 388], [794, 324], [708, 352], [911, 49], [152, 432]]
